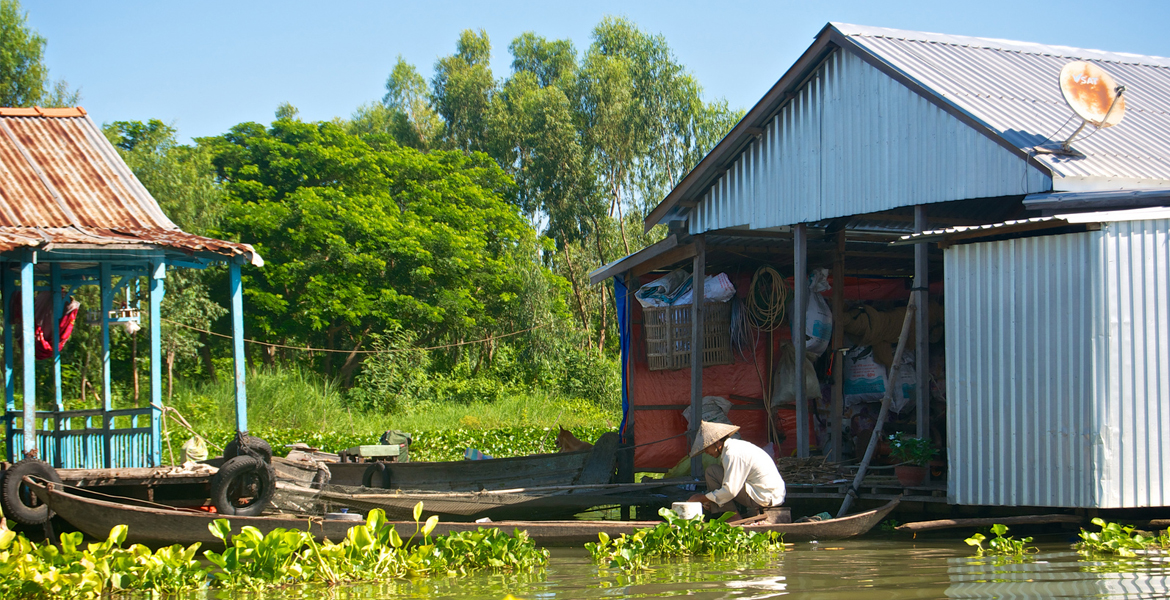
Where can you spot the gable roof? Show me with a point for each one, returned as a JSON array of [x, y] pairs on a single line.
[[1005, 90], [62, 182]]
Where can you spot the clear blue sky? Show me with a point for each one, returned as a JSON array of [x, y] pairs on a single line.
[[205, 66]]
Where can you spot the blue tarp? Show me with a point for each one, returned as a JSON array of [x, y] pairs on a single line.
[[621, 298]]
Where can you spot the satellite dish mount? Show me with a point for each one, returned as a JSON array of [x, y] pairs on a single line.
[[1093, 95]]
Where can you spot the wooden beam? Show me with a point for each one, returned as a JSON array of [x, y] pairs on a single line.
[[921, 329], [622, 265], [796, 319], [666, 259], [699, 277], [838, 360]]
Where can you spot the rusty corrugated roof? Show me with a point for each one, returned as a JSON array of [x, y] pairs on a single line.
[[62, 182]]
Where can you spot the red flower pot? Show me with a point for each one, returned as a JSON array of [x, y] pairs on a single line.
[[910, 475]]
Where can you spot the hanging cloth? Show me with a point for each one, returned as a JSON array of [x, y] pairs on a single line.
[[43, 318]]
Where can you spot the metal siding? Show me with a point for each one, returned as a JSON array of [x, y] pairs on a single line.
[[1019, 372], [1132, 413], [855, 141]]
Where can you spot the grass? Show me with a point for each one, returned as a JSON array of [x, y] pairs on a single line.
[[294, 398]]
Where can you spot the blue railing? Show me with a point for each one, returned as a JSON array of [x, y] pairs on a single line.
[[87, 439]]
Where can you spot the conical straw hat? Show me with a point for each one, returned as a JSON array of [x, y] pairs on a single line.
[[710, 433]]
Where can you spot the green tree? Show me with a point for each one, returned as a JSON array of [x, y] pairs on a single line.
[[24, 79], [365, 237]]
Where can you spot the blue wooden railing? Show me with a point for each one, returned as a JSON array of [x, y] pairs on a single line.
[[88, 439]]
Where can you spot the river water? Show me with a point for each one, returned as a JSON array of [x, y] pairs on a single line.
[[864, 569]]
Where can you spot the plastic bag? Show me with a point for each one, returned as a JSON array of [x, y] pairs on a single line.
[[818, 320], [194, 450], [905, 383], [785, 381], [664, 290], [864, 377], [716, 288]]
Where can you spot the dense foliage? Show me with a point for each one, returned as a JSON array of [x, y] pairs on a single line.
[[682, 537], [1120, 540], [374, 551], [24, 78]]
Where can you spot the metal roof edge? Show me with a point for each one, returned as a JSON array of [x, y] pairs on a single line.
[[850, 29], [717, 160], [1097, 199]]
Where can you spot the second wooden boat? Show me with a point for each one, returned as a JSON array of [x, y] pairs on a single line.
[[161, 525]]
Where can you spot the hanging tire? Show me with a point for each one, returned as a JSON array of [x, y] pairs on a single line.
[[259, 448], [377, 475], [17, 499], [243, 487]]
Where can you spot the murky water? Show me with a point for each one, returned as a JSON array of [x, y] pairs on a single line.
[[863, 569]]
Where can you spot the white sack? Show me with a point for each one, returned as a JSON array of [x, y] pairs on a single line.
[[818, 319]]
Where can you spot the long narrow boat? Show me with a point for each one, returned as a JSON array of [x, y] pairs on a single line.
[[594, 466], [160, 525]]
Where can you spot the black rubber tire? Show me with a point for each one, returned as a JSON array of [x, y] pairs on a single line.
[[17, 500], [261, 447], [239, 477], [377, 475]]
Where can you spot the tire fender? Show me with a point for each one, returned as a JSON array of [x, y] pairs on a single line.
[[242, 470], [17, 500]]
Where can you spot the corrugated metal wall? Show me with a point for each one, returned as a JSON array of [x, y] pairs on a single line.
[[854, 141], [1019, 371], [1057, 375], [1133, 387]]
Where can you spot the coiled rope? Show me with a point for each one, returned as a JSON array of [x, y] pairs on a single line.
[[766, 299]]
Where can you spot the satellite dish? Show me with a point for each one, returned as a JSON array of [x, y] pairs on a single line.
[[1093, 96]]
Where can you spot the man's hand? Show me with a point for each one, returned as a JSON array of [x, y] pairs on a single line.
[[703, 499]]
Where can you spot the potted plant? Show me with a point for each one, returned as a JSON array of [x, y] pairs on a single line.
[[914, 454]]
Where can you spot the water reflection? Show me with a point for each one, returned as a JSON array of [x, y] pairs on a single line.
[[866, 569]]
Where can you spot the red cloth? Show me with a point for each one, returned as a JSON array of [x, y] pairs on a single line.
[[43, 317]]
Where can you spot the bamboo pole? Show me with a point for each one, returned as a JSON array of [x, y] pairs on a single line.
[[885, 410]]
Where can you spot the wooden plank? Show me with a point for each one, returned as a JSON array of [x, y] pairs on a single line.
[[922, 330], [989, 521]]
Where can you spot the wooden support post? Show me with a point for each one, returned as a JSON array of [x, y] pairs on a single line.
[[58, 309], [838, 410], [9, 288], [237, 303], [699, 275], [921, 329], [28, 361], [157, 292], [796, 319]]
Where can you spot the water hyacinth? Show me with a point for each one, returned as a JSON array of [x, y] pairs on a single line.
[[373, 551], [682, 537]]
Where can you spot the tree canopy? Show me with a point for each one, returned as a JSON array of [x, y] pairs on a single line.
[[24, 78]]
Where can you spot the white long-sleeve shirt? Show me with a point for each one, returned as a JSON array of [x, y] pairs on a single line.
[[747, 465]]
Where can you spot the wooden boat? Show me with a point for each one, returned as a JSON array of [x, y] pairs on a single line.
[[595, 466], [161, 525]]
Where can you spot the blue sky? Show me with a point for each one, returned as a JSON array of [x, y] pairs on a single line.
[[205, 66]]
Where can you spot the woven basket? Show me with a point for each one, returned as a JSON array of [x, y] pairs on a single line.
[[668, 336]]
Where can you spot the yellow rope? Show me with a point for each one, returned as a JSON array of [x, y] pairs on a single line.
[[766, 299]]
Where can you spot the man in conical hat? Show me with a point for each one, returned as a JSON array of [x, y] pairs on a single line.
[[746, 475]]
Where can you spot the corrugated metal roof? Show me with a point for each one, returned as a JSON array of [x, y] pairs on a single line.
[[1006, 91], [62, 182], [1012, 88]]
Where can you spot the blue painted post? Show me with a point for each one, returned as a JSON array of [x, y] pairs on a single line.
[[157, 291], [9, 350], [237, 291], [58, 309], [28, 353], [107, 295], [8, 287]]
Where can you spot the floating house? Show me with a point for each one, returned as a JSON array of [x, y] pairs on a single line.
[[72, 214], [953, 169]]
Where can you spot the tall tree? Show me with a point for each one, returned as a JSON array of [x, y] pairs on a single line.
[[462, 91], [24, 79]]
